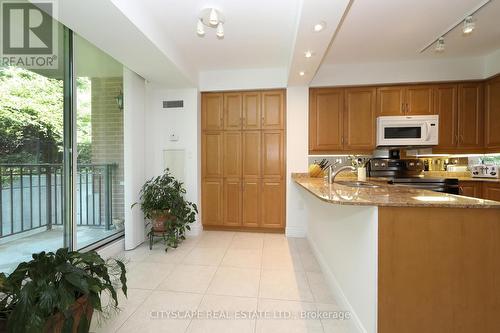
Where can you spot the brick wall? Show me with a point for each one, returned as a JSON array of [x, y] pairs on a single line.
[[107, 134]]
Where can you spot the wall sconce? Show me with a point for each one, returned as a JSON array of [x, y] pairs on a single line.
[[119, 100]]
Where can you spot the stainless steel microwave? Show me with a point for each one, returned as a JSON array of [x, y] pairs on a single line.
[[407, 131]]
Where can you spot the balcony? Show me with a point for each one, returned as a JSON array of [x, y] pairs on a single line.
[[31, 208]]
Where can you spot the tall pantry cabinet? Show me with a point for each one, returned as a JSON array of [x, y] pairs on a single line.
[[243, 160]]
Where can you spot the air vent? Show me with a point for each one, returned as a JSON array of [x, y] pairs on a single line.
[[173, 104]]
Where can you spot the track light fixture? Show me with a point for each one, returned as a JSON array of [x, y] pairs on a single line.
[[440, 45], [469, 25]]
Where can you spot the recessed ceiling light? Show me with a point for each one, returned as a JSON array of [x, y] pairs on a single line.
[[319, 26], [302, 73], [440, 45], [308, 54], [468, 25]]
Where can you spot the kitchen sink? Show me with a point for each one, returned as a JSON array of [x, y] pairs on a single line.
[[357, 184]]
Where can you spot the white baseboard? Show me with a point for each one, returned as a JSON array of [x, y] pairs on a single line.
[[335, 288], [295, 232]]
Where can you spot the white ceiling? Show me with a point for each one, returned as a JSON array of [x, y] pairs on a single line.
[[396, 30], [258, 33]]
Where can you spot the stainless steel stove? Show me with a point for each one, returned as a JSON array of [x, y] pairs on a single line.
[[409, 172]]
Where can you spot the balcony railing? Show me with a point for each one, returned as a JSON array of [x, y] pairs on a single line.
[[31, 196]]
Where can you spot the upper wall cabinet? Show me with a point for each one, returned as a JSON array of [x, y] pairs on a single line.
[[471, 117], [273, 110], [342, 119], [492, 115], [446, 106], [359, 119], [405, 100], [212, 111], [390, 101]]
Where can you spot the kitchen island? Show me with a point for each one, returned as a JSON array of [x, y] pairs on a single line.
[[407, 260]]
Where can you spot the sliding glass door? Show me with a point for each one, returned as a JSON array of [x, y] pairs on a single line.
[[61, 144]]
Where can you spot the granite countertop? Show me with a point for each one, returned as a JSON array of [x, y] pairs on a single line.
[[385, 195]]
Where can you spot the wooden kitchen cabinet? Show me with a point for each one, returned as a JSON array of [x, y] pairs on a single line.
[[233, 111], [232, 202], [273, 110], [491, 191], [212, 109], [326, 109], [251, 110], [492, 115], [390, 101], [251, 198], [243, 160], [212, 153], [342, 119], [471, 189], [232, 155], [273, 151], [359, 119], [445, 104], [272, 203], [419, 100], [251, 146], [211, 202], [470, 117]]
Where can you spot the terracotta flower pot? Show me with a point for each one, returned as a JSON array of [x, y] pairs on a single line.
[[159, 222], [55, 324]]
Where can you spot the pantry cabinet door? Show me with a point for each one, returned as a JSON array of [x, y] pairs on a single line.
[[251, 203], [273, 110], [272, 204], [251, 111], [212, 152], [232, 111], [212, 109], [273, 154], [232, 202], [212, 198], [232, 154]]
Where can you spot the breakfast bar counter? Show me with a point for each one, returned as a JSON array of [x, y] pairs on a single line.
[[383, 194], [406, 260]]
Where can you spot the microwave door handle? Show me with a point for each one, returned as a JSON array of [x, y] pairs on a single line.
[[428, 127]]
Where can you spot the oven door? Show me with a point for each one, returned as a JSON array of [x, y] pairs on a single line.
[[406, 131]]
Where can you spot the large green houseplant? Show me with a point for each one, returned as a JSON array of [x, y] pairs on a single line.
[[58, 292], [162, 201]]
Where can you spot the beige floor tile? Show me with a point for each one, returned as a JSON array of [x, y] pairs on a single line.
[[155, 314], [211, 256], [290, 317], [309, 262], [127, 305], [319, 288], [189, 278], [147, 275], [232, 307], [335, 319], [246, 258], [280, 258], [285, 285], [235, 282], [251, 242], [258, 235]]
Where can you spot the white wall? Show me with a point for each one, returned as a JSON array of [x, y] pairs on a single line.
[[243, 79], [344, 239], [400, 72], [134, 132], [297, 99], [160, 123], [492, 64]]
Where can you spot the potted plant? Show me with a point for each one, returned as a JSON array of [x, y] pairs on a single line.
[[162, 201], [58, 292]]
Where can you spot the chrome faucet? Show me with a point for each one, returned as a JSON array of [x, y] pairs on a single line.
[[332, 174]]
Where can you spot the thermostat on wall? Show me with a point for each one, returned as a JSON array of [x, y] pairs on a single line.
[[174, 137]]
